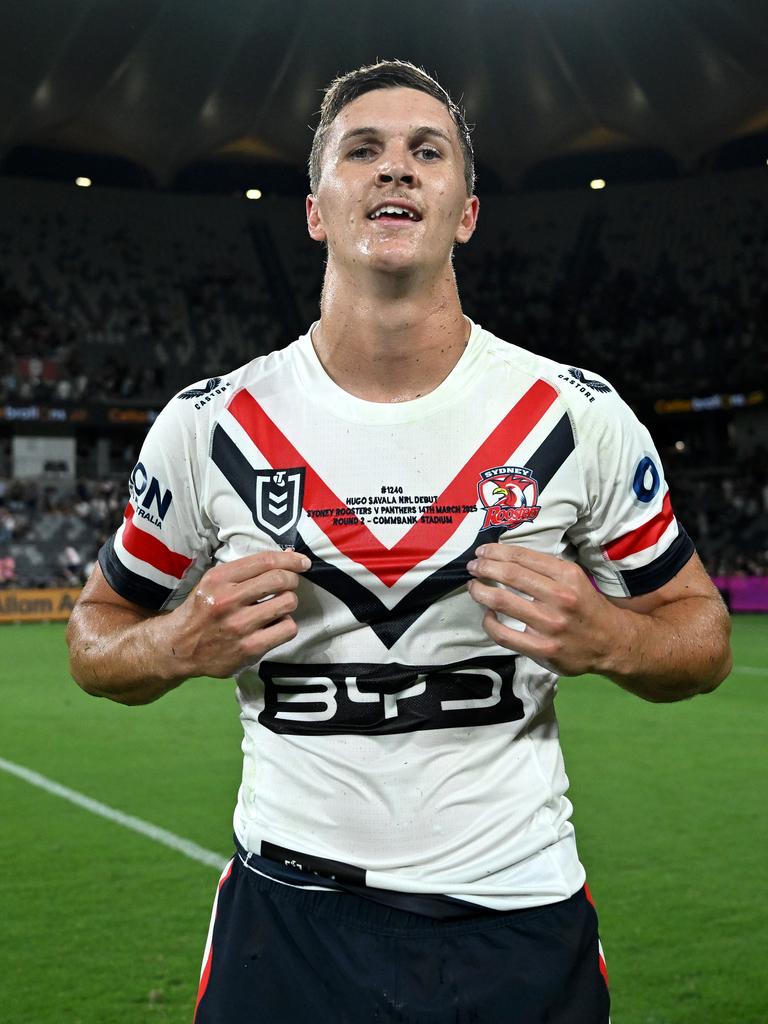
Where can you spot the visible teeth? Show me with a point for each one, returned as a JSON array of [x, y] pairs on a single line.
[[393, 209]]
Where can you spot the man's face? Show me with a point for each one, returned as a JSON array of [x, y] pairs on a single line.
[[392, 195]]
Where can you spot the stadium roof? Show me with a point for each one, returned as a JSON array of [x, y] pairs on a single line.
[[167, 82]]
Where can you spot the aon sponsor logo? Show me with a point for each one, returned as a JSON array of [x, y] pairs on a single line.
[[374, 698], [151, 498]]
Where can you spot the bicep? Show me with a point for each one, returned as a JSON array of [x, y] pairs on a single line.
[[690, 581]]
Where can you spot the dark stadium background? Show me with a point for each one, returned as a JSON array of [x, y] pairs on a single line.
[[622, 158]]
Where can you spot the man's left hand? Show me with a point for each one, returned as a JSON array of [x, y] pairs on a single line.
[[570, 628]]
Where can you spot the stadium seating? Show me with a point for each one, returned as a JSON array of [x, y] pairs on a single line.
[[117, 296]]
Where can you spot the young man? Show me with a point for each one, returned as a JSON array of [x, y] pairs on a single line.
[[398, 505]]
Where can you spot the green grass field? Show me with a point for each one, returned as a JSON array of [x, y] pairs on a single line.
[[101, 925]]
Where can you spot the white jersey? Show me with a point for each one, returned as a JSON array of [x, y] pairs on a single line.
[[392, 742]]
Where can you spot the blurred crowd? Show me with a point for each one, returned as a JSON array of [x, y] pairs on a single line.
[[103, 303], [662, 289], [727, 516], [50, 535]]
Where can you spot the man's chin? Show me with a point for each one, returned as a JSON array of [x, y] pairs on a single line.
[[395, 267], [394, 261]]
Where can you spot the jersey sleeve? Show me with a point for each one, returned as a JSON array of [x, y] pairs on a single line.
[[163, 546], [628, 537]]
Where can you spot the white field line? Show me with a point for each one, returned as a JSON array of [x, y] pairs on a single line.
[[749, 670], [144, 828]]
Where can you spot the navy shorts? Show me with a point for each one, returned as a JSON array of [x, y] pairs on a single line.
[[278, 954]]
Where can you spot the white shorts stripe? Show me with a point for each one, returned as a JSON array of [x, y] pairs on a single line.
[[209, 940]]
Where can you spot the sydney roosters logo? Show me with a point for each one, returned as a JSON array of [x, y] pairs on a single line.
[[510, 495]]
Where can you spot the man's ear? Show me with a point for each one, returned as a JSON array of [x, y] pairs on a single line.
[[314, 220], [468, 221]]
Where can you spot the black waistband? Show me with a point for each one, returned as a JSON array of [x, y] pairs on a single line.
[[437, 907]]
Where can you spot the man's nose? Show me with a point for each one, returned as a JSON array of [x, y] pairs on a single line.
[[396, 169], [386, 175]]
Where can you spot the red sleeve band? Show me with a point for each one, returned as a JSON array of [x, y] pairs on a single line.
[[644, 536], [149, 549]]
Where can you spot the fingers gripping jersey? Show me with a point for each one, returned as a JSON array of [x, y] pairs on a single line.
[[392, 742]]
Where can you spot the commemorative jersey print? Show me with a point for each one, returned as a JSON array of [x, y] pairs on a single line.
[[431, 530]]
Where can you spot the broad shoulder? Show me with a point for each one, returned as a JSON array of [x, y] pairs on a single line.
[[590, 400], [199, 405]]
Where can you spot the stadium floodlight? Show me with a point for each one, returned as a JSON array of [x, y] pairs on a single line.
[[597, 183], [253, 193], [83, 182]]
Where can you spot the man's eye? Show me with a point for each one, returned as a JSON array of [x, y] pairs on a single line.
[[360, 153], [428, 153]]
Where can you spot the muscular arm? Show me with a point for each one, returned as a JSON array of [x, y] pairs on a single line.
[[120, 650], [664, 646], [675, 640]]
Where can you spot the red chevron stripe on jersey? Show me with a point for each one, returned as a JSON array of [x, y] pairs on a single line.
[[423, 539], [151, 550], [644, 536]]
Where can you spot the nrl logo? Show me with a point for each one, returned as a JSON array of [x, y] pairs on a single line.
[[510, 496], [279, 496]]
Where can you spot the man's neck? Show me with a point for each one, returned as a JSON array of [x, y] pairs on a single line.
[[391, 343]]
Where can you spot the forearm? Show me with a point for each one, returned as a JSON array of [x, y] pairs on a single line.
[[117, 653], [673, 652], [238, 612]]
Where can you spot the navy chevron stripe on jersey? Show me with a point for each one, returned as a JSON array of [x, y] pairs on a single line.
[[390, 624], [552, 452], [234, 465]]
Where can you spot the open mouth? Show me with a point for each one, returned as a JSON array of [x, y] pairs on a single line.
[[394, 214]]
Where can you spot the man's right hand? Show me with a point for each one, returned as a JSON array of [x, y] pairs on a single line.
[[238, 612]]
